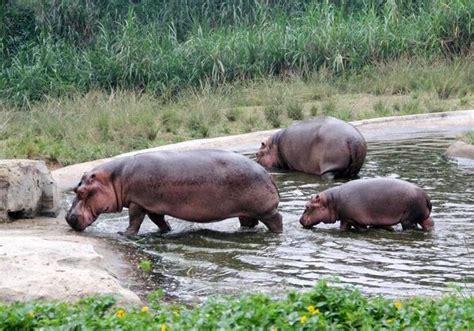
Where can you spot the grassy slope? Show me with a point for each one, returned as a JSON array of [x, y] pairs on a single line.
[[322, 308], [99, 124]]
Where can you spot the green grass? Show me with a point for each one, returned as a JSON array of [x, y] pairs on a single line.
[[55, 49], [323, 308], [82, 127], [469, 137]]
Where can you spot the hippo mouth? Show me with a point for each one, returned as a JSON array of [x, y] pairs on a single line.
[[79, 222], [305, 224]]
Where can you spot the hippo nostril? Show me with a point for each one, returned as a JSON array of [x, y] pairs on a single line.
[[72, 220], [304, 223]]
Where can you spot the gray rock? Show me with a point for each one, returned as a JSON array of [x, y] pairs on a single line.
[[27, 189], [460, 149]]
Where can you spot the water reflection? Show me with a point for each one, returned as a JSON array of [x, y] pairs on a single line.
[[221, 257]]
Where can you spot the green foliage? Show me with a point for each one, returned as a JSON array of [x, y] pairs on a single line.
[[329, 109], [295, 111], [314, 110], [273, 114], [145, 265], [52, 48], [325, 307], [381, 109], [82, 127], [469, 137]]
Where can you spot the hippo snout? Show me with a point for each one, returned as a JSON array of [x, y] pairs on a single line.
[[73, 221], [304, 223]]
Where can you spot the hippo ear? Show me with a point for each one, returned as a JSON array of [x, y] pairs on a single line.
[[316, 199], [263, 145]]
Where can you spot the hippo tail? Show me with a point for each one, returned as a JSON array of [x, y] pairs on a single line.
[[275, 185], [428, 204], [357, 152]]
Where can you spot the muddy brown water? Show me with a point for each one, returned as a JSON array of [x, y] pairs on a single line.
[[195, 261]]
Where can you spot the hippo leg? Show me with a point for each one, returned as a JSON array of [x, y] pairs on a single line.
[[344, 226], [248, 221], [408, 225], [273, 221], [427, 224], [136, 215], [159, 220], [329, 175]]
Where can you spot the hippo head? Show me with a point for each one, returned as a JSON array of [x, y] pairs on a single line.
[[316, 211], [266, 155], [95, 194]]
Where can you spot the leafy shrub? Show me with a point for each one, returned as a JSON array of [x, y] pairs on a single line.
[[324, 307], [273, 114], [295, 111]]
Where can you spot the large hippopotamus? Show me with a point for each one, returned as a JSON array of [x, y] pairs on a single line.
[[199, 186], [378, 202], [325, 146]]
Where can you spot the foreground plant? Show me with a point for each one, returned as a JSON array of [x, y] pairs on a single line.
[[322, 308]]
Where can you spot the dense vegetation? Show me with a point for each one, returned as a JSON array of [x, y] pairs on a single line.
[[54, 48], [323, 308], [77, 128], [469, 137], [87, 80]]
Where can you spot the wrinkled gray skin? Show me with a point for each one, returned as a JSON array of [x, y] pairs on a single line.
[[378, 202], [325, 146], [198, 186]]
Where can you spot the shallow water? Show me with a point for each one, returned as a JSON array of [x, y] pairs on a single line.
[[195, 261]]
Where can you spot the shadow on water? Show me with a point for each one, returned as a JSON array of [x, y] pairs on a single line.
[[221, 258]]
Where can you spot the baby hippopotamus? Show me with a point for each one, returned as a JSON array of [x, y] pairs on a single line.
[[198, 186], [378, 202], [325, 146]]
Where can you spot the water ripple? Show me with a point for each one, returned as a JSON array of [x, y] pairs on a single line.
[[221, 257]]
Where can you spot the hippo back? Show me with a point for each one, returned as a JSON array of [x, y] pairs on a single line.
[[209, 183], [322, 145]]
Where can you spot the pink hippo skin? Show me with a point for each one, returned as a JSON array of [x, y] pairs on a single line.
[[198, 186], [326, 146], [378, 202]]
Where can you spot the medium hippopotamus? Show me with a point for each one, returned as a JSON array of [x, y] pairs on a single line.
[[325, 146], [198, 186], [378, 202]]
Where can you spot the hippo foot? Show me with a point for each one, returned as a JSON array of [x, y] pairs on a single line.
[[328, 176], [273, 222], [128, 234], [248, 222], [160, 221]]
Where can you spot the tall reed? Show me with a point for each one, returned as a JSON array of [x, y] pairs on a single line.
[[164, 47]]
